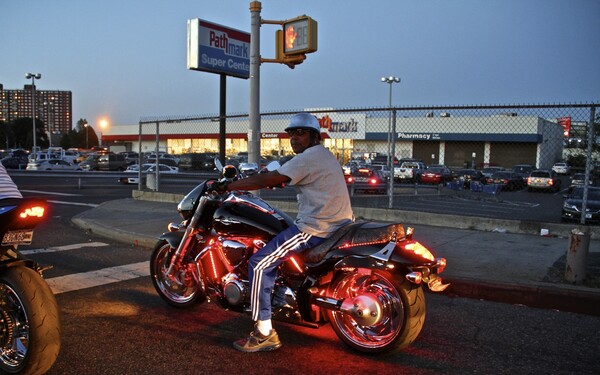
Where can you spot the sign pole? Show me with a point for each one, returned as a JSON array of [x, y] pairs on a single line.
[[254, 112], [222, 115]]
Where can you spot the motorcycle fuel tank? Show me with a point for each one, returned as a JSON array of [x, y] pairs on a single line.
[[249, 216]]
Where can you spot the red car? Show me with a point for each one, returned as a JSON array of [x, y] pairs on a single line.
[[367, 180], [436, 175]]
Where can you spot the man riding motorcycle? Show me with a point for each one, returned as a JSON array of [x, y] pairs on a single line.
[[323, 207]]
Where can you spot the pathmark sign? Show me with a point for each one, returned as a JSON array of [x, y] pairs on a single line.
[[218, 49]]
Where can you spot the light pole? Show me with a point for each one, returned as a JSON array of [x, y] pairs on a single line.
[[33, 77], [85, 126], [50, 110], [391, 140]]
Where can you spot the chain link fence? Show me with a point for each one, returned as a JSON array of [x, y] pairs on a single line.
[[457, 137], [453, 137]]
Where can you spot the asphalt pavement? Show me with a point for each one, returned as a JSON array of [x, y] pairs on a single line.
[[508, 261]]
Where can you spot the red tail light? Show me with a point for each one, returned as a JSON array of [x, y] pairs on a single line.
[[373, 181], [33, 211], [350, 179], [528, 180]]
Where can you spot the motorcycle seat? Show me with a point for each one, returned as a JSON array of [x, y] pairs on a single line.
[[354, 234]]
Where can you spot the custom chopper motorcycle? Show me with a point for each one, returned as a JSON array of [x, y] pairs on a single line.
[[366, 280], [29, 314]]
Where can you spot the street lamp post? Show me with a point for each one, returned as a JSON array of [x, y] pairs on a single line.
[[33, 77], [85, 126], [50, 110], [391, 140]]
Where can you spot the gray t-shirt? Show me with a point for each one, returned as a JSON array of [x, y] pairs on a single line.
[[8, 189], [323, 200]]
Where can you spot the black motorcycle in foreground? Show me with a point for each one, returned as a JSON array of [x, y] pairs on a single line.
[[29, 314], [366, 280]]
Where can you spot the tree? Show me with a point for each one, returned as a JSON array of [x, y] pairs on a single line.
[[22, 129]]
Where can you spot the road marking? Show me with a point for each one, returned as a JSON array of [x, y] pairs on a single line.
[[74, 203], [63, 248], [52, 193], [78, 281]]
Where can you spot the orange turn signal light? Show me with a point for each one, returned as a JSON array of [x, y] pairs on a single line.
[[419, 249]]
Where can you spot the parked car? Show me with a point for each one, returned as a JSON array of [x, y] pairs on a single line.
[[561, 168], [436, 175], [15, 161], [131, 157], [367, 180], [409, 171], [465, 176], [146, 168], [112, 162], [52, 165], [383, 159], [197, 161], [578, 179], [509, 180], [489, 171], [352, 167], [90, 163], [166, 161], [385, 170], [573, 205], [543, 180], [523, 170]]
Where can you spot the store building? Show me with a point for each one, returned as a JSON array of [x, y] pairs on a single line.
[[503, 140]]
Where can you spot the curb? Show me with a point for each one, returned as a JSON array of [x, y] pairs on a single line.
[[540, 296]]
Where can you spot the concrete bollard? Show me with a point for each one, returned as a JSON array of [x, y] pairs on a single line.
[[579, 244], [152, 182]]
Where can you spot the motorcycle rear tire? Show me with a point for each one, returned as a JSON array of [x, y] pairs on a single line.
[[403, 312], [28, 301], [159, 260]]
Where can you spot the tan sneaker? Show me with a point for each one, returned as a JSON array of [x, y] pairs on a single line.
[[257, 342]]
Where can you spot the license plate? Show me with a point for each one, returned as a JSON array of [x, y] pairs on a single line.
[[588, 216], [18, 237]]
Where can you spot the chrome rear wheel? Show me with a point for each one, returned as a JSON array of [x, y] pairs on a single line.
[[388, 313]]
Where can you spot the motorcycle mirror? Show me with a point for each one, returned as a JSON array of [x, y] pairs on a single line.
[[272, 166], [218, 165]]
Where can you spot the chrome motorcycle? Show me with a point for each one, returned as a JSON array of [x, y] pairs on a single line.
[[29, 314], [367, 280]]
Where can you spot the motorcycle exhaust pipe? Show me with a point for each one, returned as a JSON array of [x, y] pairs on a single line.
[[364, 309]]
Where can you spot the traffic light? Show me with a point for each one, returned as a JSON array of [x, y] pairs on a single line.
[[299, 36]]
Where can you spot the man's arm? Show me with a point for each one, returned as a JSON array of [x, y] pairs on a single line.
[[259, 181]]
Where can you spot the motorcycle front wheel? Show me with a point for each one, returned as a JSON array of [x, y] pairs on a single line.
[[178, 289], [396, 322], [29, 322]]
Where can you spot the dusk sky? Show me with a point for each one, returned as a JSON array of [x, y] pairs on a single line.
[[125, 59]]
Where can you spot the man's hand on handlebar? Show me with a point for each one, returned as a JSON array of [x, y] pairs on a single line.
[[218, 186]]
